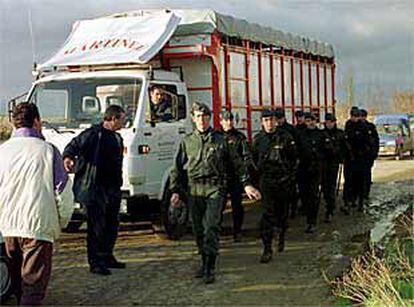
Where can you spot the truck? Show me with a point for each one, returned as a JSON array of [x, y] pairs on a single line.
[[192, 55]]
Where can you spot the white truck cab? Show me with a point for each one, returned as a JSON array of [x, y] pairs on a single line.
[[72, 101]]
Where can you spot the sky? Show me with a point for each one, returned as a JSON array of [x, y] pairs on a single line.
[[373, 40]]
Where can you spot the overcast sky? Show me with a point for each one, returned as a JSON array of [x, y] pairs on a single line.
[[373, 40]]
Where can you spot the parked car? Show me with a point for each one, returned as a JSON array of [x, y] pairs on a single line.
[[396, 133]]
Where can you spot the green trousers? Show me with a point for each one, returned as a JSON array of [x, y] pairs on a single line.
[[206, 216]]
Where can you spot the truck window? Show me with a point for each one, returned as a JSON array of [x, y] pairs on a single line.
[[79, 102], [164, 104]]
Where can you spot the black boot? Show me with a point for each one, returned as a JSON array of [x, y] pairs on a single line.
[[201, 270], [267, 255], [210, 268]]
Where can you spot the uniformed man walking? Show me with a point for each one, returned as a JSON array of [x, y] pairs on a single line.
[[274, 154], [282, 123], [204, 157], [310, 157], [333, 153], [373, 154], [359, 149], [238, 141]]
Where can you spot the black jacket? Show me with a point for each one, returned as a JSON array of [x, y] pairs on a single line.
[[82, 150]]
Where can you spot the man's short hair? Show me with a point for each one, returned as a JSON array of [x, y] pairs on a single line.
[[154, 87], [24, 114], [113, 111]]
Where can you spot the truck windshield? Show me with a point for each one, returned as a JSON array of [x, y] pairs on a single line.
[[389, 129], [82, 102]]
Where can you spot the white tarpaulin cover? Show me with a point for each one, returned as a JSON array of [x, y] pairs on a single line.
[[115, 40]]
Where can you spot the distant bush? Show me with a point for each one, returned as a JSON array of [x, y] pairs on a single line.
[[5, 128]]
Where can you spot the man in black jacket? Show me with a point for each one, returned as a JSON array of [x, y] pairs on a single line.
[[333, 152], [96, 158], [310, 157], [373, 153]]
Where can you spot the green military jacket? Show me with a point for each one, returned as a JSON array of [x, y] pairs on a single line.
[[275, 156], [205, 160]]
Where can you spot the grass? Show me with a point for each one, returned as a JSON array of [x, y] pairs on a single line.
[[5, 128], [382, 278]]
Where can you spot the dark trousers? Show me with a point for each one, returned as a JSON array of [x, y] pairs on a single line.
[[30, 267], [358, 179], [275, 205], [347, 192], [206, 214], [309, 193], [236, 196], [329, 181], [102, 221], [368, 178]]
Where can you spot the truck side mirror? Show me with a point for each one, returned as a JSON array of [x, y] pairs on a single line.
[[181, 107]]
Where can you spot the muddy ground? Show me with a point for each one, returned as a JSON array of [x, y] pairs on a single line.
[[159, 272]]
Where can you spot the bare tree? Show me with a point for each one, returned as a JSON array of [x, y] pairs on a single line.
[[403, 101]]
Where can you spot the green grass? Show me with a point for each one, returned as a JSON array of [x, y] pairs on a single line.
[[382, 279]]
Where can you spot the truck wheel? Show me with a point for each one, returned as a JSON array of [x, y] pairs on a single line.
[[174, 220], [5, 278]]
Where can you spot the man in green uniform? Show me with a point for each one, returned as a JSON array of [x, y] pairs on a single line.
[[238, 141], [333, 151], [274, 154], [204, 157]]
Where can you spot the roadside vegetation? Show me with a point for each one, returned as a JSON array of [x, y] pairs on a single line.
[[5, 128], [382, 277]]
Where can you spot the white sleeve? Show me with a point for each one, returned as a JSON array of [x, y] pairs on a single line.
[[65, 203]]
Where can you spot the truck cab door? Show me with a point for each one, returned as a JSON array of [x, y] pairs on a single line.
[[162, 133]]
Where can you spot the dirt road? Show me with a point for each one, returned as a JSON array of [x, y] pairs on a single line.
[[159, 272]]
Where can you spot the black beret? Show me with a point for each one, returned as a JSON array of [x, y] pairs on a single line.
[[267, 113], [226, 115], [363, 112], [310, 115], [299, 113], [355, 112], [201, 107], [330, 116], [279, 113]]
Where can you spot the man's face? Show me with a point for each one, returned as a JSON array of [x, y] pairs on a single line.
[[201, 121], [226, 124], [354, 118], [310, 123], [280, 121], [156, 96], [37, 124], [300, 120], [363, 118], [269, 124], [118, 123], [330, 124]]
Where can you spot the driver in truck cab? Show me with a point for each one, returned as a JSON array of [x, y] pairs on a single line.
[[161, 110]]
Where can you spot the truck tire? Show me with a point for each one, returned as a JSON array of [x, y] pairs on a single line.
[[5, 278], [174, 223]]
